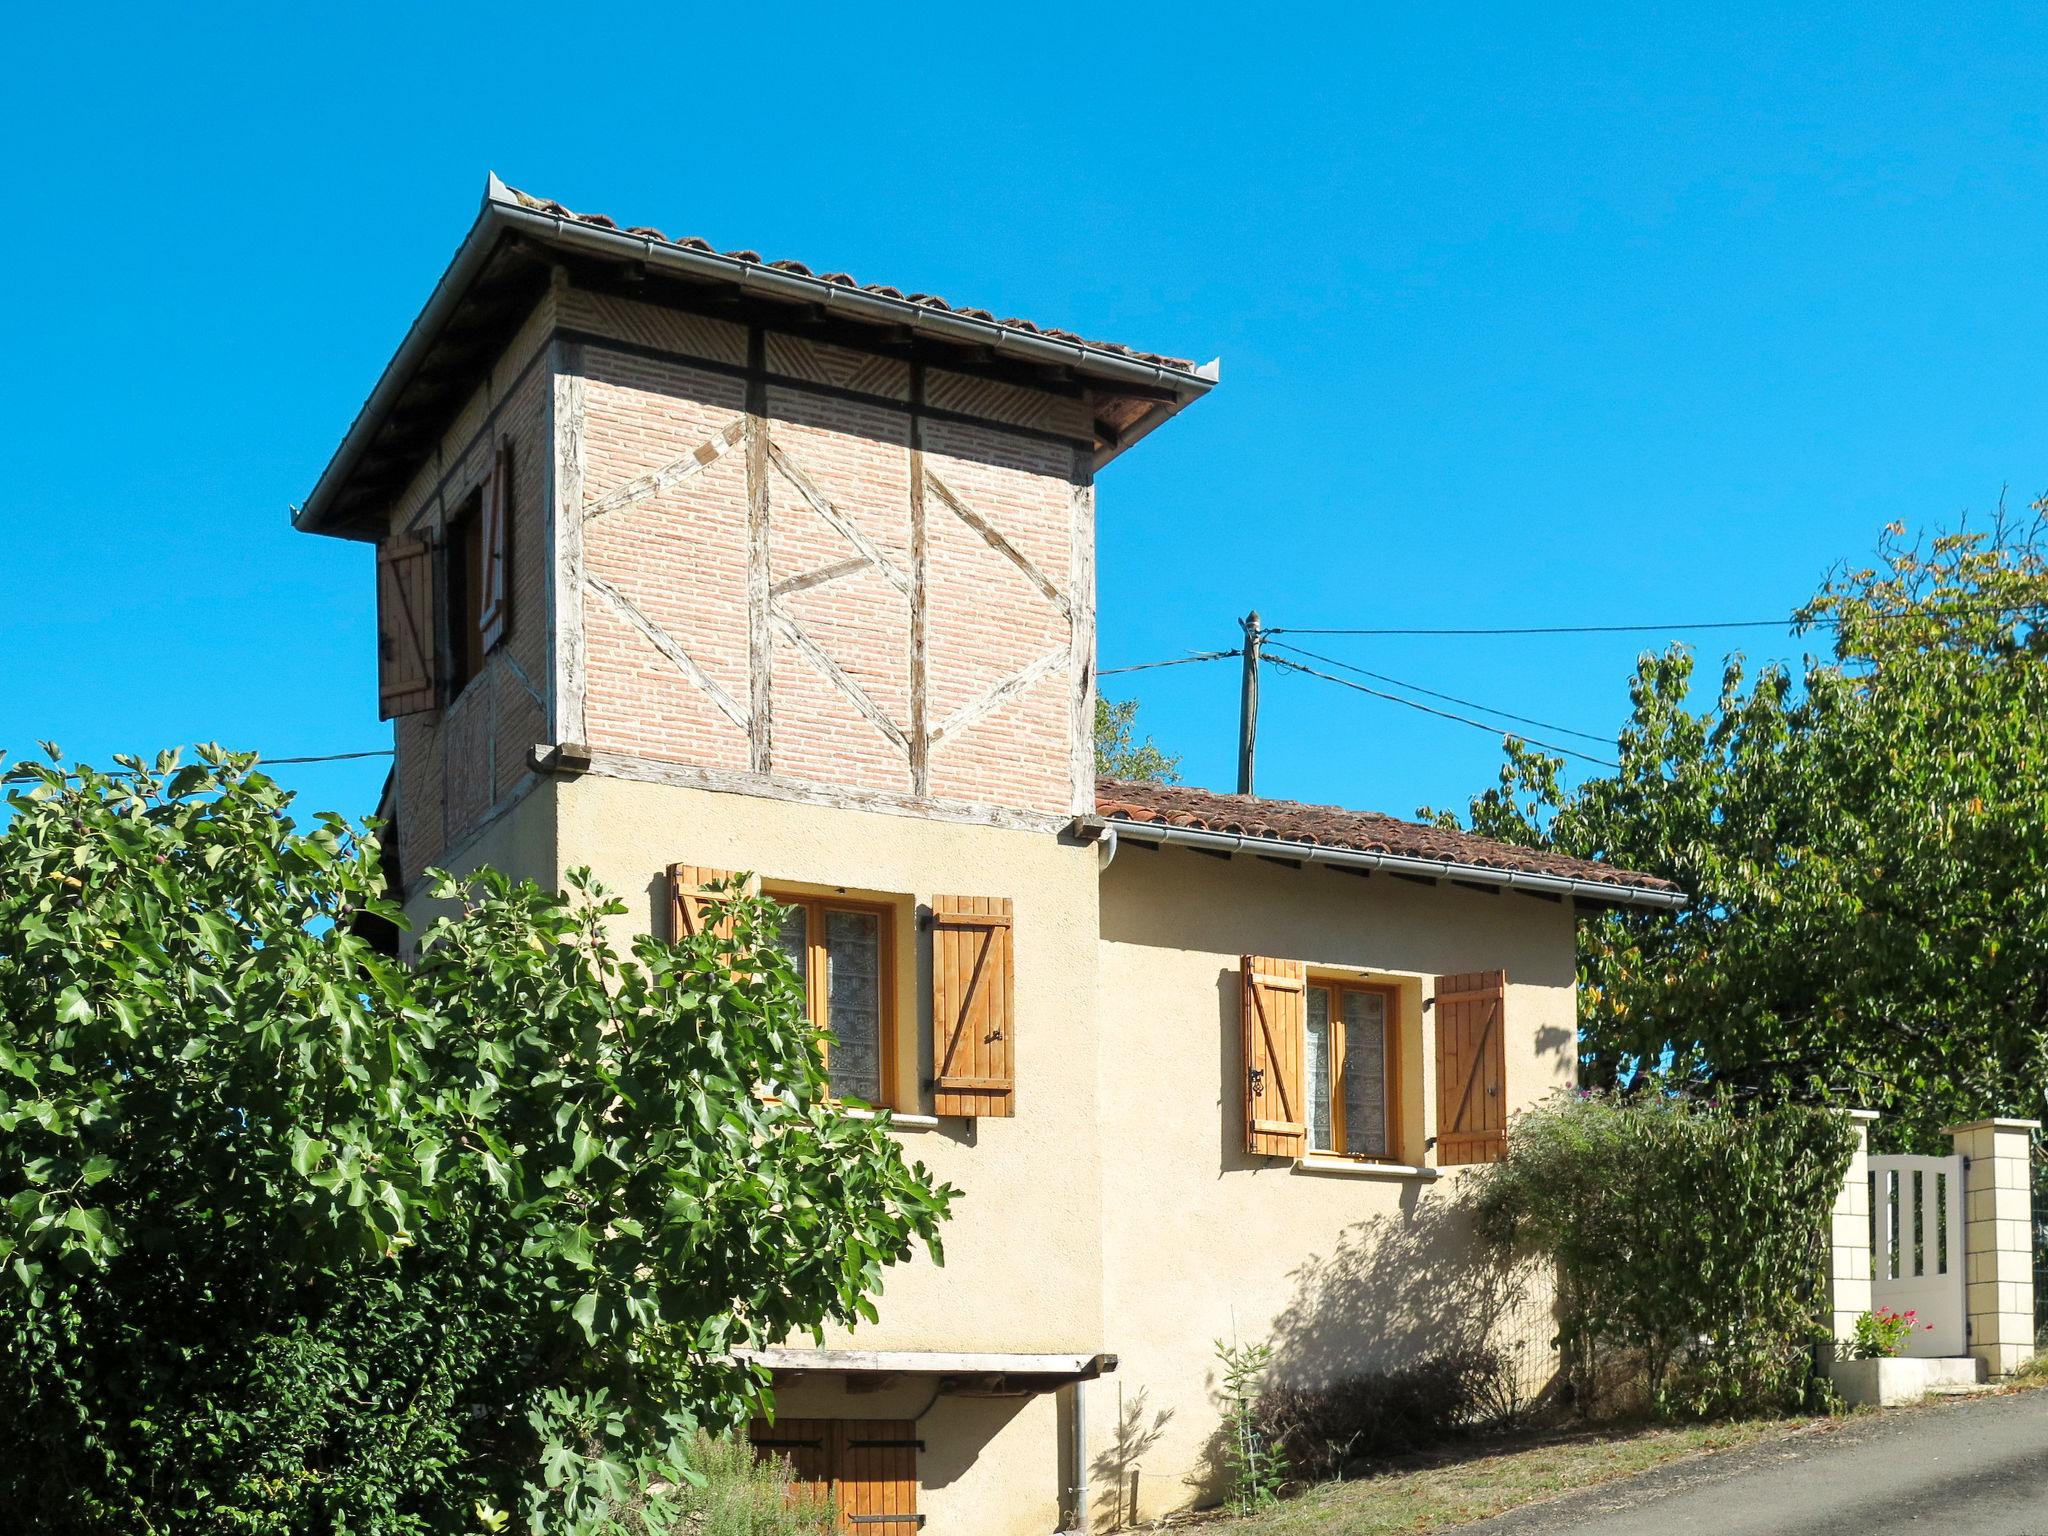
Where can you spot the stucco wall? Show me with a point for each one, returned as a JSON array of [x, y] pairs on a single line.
[[1118, 1210], [1340, 1274], [1023, 1249]]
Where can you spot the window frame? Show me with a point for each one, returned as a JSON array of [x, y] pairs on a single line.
[[817, 1001], [1391, 1054]]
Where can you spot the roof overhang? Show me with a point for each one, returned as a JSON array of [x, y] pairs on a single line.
[[974, 1372], [1581, 891], [503, 265]]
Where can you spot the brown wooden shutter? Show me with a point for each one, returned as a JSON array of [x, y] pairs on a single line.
[[405, 628], [973, 1007], [867, 1466], [494, 606], [877, 1484], [689, 894], [1471, 1067], [1275, 999]]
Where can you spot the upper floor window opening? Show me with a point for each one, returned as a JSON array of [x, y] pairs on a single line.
[[1351, 1068], [843, 951]]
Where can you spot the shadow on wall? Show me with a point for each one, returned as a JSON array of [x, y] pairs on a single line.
[[1395, 1290], [1114, 1474]]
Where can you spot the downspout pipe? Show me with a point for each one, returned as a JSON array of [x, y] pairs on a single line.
[[1394, 863]]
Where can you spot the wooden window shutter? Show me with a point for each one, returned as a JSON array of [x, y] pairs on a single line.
[[1471, 1067], [689, 895], [405, 628], [494, 605], [973, 1007], [1275, 1000]]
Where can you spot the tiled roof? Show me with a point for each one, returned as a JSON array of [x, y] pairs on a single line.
[[881, 290], [1330, 826]]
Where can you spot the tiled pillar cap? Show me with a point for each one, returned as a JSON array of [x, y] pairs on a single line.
[[1864, 1115], [1991, 1125]]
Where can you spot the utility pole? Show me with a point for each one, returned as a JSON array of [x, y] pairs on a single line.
[[1248, 706]]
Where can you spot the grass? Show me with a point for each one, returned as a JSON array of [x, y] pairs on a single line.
[[1479, 1483]]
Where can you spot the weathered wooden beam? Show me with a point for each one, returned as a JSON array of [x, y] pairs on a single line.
[[760, 640]]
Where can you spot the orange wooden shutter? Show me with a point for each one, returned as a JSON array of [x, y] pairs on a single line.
[[1275, 999], [405, 628], [689, 894], [877, 1475], [494, 606], [973, 1007], [869, 1466], [1471, 1067]]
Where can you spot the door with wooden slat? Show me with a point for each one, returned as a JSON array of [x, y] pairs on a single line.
[[868, 1467], [1471, 1067], [494, 605], [1275, 1043], [405, 628], [692, 902], [973, 1007]]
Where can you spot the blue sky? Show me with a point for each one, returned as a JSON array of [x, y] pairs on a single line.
[[1527, 315]]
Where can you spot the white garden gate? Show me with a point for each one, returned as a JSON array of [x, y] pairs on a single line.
[[1916, 1248]]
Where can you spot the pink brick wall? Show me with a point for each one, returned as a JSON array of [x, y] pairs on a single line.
[[679, 558]]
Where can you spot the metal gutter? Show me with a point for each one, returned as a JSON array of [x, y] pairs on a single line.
[[928, 1362], [1392, 863], [502, 210]]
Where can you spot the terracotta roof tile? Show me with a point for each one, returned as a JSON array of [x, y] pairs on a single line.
[[882, 290], [1330, 826]]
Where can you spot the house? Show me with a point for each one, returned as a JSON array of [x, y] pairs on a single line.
[[689, 562]]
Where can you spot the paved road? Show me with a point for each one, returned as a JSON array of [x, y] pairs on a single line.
[[1977, 1467]]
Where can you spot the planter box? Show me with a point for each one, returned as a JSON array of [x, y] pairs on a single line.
[[1891, 1383]]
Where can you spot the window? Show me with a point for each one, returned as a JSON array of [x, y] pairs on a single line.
[[463, 578], [843, 950], [442, 609], [1351, 1079]]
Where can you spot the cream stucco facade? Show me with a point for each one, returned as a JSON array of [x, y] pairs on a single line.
[[1118, 1212]]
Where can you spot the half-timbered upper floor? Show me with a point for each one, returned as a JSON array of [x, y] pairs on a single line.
[[659, 511]]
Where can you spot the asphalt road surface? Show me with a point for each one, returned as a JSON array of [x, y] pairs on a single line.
[[1975, 1467]]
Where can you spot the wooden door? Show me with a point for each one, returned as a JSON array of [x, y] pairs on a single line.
[[867, 1466]]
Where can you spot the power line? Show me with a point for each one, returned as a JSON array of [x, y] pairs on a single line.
[[1176, 661], [328, 757], [1817, 621], [1427, 709], [1448, 698]]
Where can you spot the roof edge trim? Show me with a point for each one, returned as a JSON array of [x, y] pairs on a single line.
[[1617, 894], [504, 208]]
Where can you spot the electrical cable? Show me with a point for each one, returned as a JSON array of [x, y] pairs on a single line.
[[1395, 698], [1448, 698]]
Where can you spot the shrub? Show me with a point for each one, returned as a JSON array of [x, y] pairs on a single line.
[[1690, 1239], [1884, 1334], [742, 1495], [1320, 1431], [1250, 1458], [296, 1239]]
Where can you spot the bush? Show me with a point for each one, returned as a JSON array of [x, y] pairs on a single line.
[[295, 1239], [745, 1496], [1690, 1239], [1321, 1431], [1884, 1334]]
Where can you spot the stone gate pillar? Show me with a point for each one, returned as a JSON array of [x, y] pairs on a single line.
[[1998, 1239], [1849, 1237]]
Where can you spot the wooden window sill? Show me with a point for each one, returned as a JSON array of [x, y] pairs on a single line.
[[1356, 1168], [898, 1120]]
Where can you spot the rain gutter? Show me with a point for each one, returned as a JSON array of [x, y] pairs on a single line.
[[1610, 893]]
